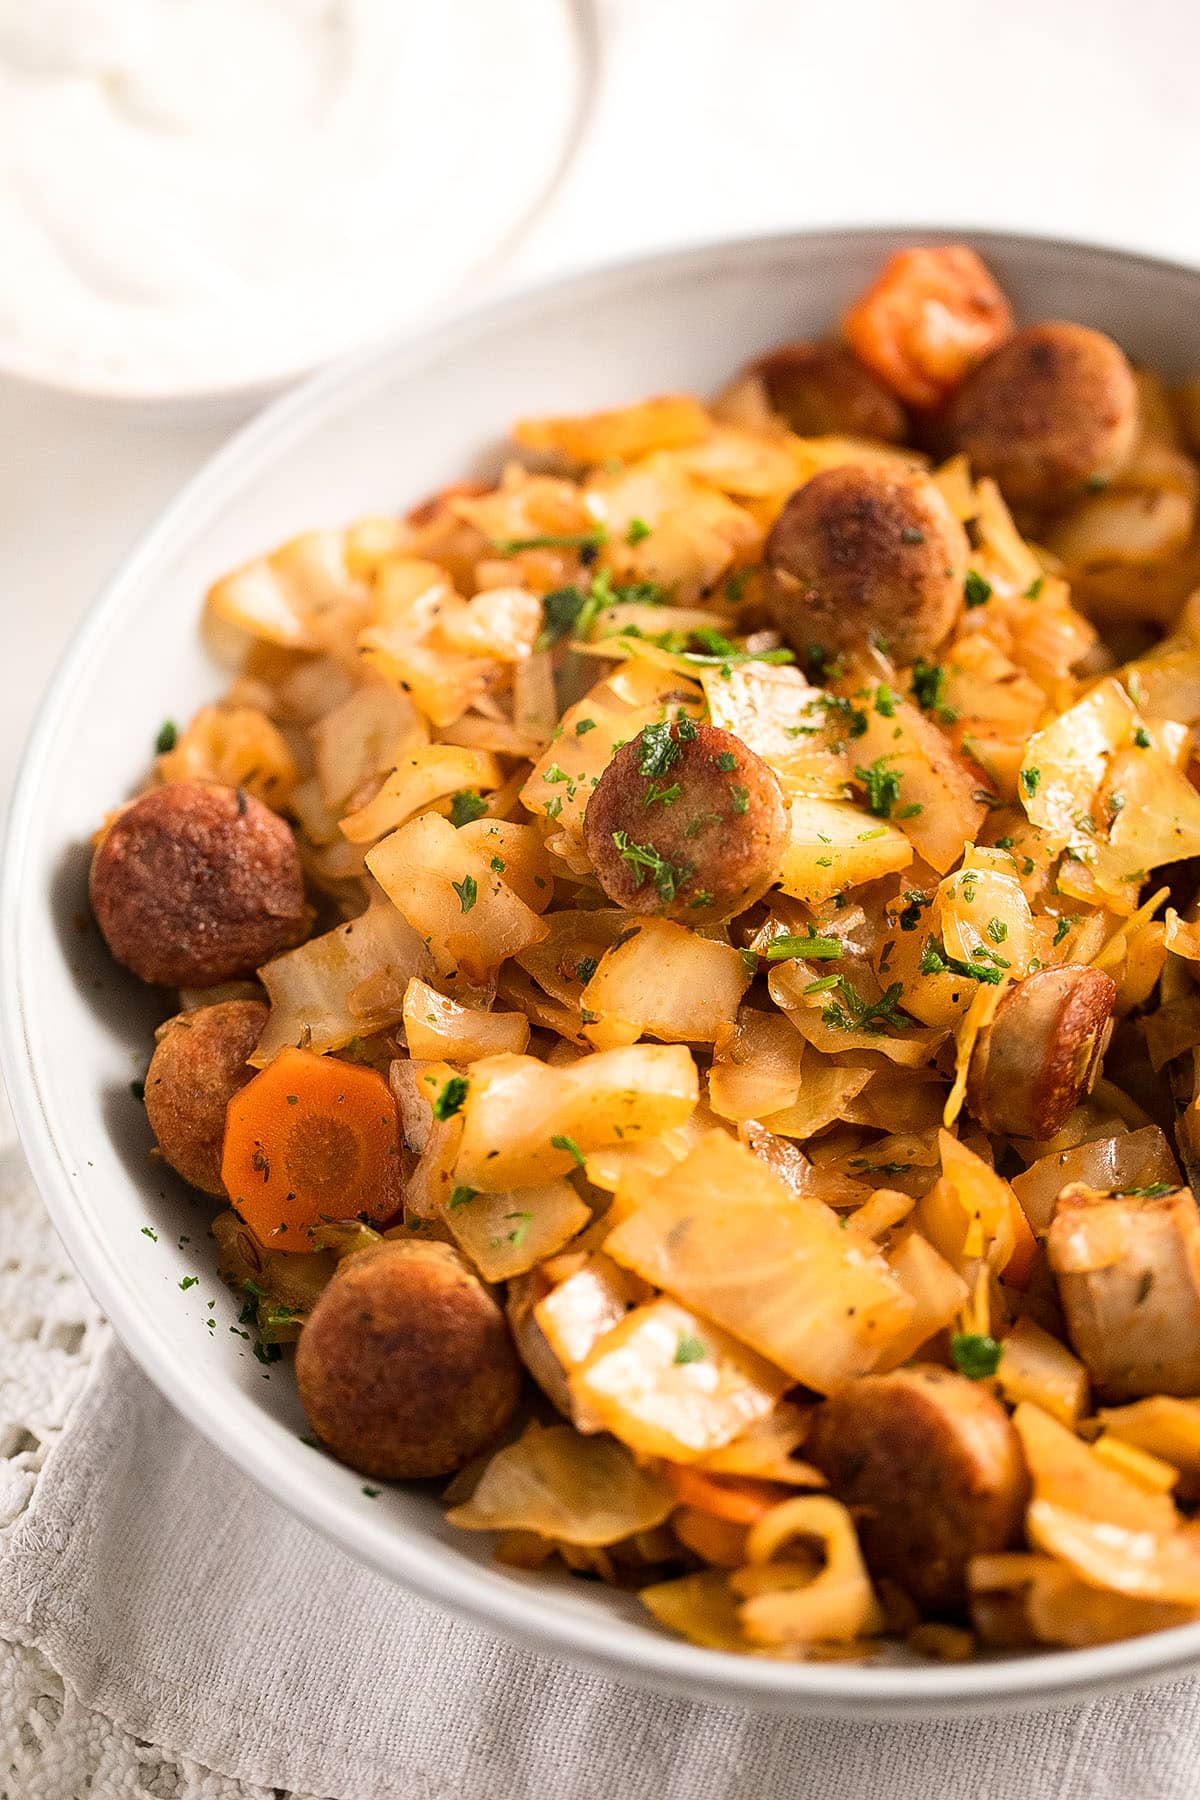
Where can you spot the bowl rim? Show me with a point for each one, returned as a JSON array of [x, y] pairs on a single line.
[[1052, 1677]]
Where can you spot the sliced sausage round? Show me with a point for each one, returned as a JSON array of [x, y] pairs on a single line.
[[861, 554], [686, 821], [1041, 1053], [198, 1066], [821, 388], [1050, 410], [405, 1366], [932, 1469], [194, 884]]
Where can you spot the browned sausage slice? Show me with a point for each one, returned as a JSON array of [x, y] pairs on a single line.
[[194, 884], [864, 554], [821, 388], [1040, 1055], [197, 1067], [932, 1469], [1053, 408], [686, 821], [1128, 1269], [405, 1366]]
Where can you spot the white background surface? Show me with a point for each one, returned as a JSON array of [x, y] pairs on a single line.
[[1077, 117]]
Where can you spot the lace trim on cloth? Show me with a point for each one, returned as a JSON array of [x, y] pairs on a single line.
[[52, 1747]]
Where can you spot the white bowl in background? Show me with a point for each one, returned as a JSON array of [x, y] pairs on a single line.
[[371, 435]]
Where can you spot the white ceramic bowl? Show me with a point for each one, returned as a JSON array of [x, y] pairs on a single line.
[[374, 433]]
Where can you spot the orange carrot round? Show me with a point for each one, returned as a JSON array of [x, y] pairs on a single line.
[[311, 1138], [738, 1498], [926, 320]]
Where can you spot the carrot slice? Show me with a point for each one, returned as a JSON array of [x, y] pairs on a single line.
[[926, 320], [739, 1498], [311, 1138]]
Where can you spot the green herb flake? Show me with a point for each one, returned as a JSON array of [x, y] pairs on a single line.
[[689, 1349], [812, 947], [1063, 927], [657, 751], [911, 535], [1153, 1191], [975, 1356], [885, 701], [372, 1493], [572, 1149], [451, 1098], [882, 785], [667, 876], [727, 762], [583, 726], [461, 1196], [997, 930], [467, 890], [189, 1281], [168, 737], [741, 798], [1141, 738], [466, 806], [638, 529], [1030, 779], [1034, 590], [976, 591], [553, 540]]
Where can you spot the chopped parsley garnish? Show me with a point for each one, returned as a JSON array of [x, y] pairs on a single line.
[[689, 1349], [572, 1149], [467, 890], [519, 1232], [850, 1012], [638, 529], [147, 1231], [997, 930], [726, 762], [658, 750], [662, 792], [1063, 927], [667, 876], [565, 610], [882, 785], [852, 717], [934, 961], [911, 535], [1033, 591], [1030, 779], [910, 918], [885, 701], [466, 806], [817, 949], [1141, 738], [975, 1355], [976, 591], [462, 1196], [168, 737], [372, 1493], [1152, 1192], [450, 1100], [582, 726], [585, 968], [189, 1281], [554, 540], [498, 865], [741, 797], [686, 729], [928, 688]]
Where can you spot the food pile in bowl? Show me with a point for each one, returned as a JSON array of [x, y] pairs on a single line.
[[686, 999]]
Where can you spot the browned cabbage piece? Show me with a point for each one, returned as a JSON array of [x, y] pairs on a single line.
[[405, 1365], [932, 1470], [1128, 1270], [822, 389], [686, 821], [1040, 1055], [198, 1066], [863, 554], [1051, 409], [194, 884]]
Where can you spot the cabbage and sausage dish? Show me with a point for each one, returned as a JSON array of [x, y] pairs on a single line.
[[683, 963]]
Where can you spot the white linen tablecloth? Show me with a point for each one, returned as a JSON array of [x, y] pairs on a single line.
[[164, 1629]]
